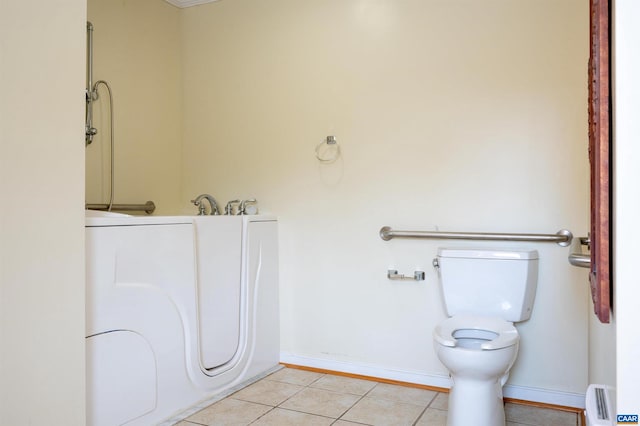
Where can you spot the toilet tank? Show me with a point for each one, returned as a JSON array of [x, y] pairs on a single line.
[[499, 283]]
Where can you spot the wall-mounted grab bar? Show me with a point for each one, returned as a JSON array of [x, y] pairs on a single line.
[[562, 237], [148, 207]]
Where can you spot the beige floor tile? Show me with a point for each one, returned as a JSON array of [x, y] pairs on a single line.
[[433, 417], [280, 417], [267, 392], [539, 416], [328, 396], [383, 412], [441, 402], [229, 412], [321, 402], [295, 376], [402, 393], [344, 384]]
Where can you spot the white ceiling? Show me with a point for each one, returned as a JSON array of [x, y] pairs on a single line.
[[188, 3]]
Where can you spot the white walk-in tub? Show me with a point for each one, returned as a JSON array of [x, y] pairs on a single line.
[[178, 309]]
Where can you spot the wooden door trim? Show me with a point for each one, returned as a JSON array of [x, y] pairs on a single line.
[[599, 157]]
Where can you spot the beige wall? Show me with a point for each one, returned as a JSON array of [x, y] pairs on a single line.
[[419, 135], [467, 115], [41, 218], [137, 51]]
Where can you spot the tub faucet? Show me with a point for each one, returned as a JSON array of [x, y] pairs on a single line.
[[199, 202]]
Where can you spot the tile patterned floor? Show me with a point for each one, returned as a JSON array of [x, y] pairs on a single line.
[[297, 397]]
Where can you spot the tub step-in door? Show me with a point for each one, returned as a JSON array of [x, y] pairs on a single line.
[[218, 248]]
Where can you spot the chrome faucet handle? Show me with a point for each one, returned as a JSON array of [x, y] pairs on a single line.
[[244, 203], [228, 209], [200, 205]]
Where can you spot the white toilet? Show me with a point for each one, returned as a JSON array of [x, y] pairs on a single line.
[[485, 292]]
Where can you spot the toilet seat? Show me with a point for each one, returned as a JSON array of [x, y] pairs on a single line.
[[503, 332]]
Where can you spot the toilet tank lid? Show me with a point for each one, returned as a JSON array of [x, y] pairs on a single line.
[[488, 254]]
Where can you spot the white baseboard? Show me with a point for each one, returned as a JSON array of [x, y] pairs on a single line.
[[366, 370], [545, 396]]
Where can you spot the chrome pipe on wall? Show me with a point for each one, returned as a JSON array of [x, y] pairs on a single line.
[[90, 93]]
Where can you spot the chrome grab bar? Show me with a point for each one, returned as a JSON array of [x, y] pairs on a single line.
[[148, 207], [562, 237], [576, 257]]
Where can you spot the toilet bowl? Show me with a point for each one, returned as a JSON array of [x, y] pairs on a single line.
[[485, 292], [478, 352]]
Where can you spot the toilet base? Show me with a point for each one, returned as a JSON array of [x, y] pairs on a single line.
[[476, 402]]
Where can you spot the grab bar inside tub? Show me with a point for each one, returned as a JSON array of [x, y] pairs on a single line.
[[148, 207]]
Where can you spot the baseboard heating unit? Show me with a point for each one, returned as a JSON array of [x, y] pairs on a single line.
[[600, 405]]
